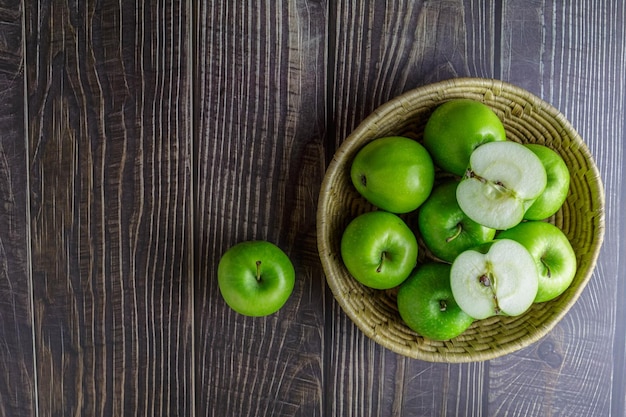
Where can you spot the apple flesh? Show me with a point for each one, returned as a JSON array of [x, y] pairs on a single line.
[[427, 306], [255, 278], [557, 187], [379, 249], [552, 252], [498, 278], [395, 173], [445, 228], [502, 181]]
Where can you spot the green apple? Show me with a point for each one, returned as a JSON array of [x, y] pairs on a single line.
[[426, 304], [394, 173], [255, 278], [557, 187], [502, 181], [445, 228], [553, 254], [456, 128], [379, 249], [499, 277]]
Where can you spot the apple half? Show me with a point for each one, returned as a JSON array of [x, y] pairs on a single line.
[[502, 181], [497, 278]]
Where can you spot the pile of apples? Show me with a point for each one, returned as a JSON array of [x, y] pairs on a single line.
[[481, 202]]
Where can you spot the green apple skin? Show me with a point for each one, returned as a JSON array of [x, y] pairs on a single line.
[[495, 278], [426, 304], [255, 278], [558, 179], [379, 249], [445, 228], [553, 254], [396, 174], [456, 128]]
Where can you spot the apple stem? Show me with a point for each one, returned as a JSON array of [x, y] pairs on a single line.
[[457, 233], [471, 174], [383, 256], [499, 185], [443, 306], [258, 270], [547, 268]]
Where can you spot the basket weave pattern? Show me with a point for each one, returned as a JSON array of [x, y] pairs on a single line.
[[526, 119]]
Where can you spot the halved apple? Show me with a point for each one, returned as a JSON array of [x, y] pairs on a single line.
[[502, 181], [497, 278]]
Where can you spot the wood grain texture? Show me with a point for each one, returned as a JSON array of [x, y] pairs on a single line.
[[259, 158], [140, 140], [17, 365], [572, 56], [382, 50], [109, 126]]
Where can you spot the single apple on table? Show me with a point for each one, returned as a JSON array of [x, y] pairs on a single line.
[[553, 254], [426, 304], [456, 128], [255, 278], [445, 228], [496, 278], [379, 249], [557, 186], [502, 181], [395, 173]]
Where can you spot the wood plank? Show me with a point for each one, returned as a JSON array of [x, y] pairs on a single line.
[[17, 366], [572, 55], [259, 158], [380, 51], [109, 127]]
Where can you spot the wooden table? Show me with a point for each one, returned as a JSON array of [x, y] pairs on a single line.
[[138, 141]]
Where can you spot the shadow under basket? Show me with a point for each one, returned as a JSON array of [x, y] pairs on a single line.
[[527, 119]]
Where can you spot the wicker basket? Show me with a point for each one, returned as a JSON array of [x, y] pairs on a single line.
[[527, 119]]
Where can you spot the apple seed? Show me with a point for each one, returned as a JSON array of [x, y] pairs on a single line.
[[486, 281]]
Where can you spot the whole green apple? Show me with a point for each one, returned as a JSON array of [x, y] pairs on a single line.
[[255, 278], [394, 173], [496, 278], [379, 249], [426, 304], [557, 187], [445, 228], [553, 254], [456, 128]]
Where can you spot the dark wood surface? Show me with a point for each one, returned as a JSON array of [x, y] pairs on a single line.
[[138, 141]]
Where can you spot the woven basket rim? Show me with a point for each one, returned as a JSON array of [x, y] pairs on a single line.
[[402, 103]]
